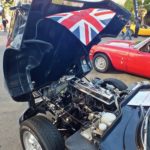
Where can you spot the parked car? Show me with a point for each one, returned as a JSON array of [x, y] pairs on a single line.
[[122, 55], [143, 30], [45, 64]]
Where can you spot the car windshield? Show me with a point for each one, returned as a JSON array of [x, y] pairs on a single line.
[[18, 23], [141, 44], [69, 14], [20, 18]]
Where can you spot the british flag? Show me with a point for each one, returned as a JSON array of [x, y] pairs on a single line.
[[85, 24]]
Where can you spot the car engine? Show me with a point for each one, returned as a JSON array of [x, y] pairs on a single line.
[[92, 107]]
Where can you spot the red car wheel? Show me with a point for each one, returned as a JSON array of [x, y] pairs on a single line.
[[101, 63]]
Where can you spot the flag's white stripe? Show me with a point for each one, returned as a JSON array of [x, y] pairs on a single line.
[[73, 28], [81, 27], [81, 24], [92, 26], [82, 32], [90, 35], [99, 10], [105, 16], [65, 17]]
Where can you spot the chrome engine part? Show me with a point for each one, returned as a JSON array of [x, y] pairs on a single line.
[[76, 104], [101, 94]]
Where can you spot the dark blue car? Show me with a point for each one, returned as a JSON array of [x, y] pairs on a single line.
[[45, 64]]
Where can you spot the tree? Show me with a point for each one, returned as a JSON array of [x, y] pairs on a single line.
[[129, 5], [6, 5], [147, 5], [147, 18]]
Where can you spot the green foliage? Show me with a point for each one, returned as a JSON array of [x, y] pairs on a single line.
[[129, 5], [6, 5], [57, 1], [139, 2], [147, 4]]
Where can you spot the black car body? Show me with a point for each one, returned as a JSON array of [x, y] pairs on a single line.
[[46, 59], [31, 27]]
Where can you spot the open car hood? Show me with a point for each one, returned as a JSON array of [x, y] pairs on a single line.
[[85, 24], [55, 40]]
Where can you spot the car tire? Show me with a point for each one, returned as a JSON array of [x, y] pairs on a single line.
[[116, 83], [101, 63], [39, 133], [148, 134]]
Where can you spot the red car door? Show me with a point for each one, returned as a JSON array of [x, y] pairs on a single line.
[[119, 57], [139, 63]]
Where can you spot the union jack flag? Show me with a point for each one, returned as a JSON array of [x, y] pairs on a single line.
[[85, 24]]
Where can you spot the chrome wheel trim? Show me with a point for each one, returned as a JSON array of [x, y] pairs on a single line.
[[30, 142], [100, 63]]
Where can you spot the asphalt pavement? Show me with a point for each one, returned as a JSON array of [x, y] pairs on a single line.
[[10, 110]]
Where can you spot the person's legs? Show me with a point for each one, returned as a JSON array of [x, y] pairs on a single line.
[[4, 25], [136, 31], [122, 34], [125, 35], [5, 29], [130, 35]]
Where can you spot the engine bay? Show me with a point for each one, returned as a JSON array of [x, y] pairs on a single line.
[[91, 108], [47, 70]]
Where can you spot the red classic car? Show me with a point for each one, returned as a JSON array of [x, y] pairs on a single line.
[[123, 55]]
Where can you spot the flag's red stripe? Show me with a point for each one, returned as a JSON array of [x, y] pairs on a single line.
[[94, 22], [59, 15], [71, 21], [87, 34], [103, 13], [78, 16]]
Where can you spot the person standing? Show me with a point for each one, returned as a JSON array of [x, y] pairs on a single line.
[[137, 27], [128, 31], [5, 21]]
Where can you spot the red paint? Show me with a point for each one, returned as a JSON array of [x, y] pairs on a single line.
[[79, 15], [124, 57], [87, 33]]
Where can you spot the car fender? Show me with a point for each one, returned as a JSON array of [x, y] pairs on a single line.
[[107, 53], [32, 111]]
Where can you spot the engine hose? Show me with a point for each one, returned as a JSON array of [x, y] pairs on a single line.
[[117, 104], [144, 130]]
